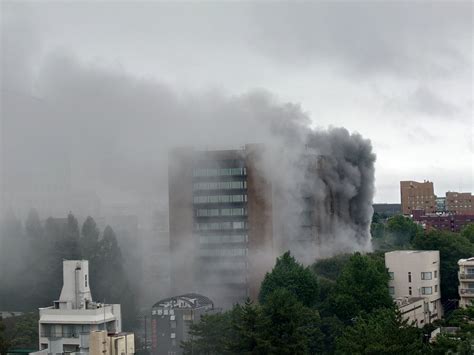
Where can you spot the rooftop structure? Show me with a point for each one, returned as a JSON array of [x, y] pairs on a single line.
[[171, 319], [415, 273], [65, 326], [466, 281]]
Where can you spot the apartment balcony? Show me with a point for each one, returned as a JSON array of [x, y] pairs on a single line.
[[466, 292], [464, 276]]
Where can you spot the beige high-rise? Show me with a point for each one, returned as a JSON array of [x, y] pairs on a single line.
[[417, 196]]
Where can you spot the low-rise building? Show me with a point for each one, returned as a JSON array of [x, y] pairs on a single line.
[[413, 309], [466, 282], [101, 343], [171, 319], [415, 273], [65, 327], [442, 221]]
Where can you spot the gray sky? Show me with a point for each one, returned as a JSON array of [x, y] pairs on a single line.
[[399, 73]]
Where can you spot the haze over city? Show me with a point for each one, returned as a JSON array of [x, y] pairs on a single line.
[[236, 177], [397, 73]]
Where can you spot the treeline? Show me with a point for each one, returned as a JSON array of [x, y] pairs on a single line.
[[300, 312], [31, 257], [341, 305]]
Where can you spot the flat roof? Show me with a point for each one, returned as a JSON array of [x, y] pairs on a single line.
[[411, 251]]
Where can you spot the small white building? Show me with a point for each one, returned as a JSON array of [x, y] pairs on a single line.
[[102, 343], [466, 282], [65, 327], [415, 273]]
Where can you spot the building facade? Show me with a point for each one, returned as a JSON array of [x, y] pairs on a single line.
[[65, 327], [413, 309], [171, 319], [415, 273], [417, 196], [102, 343], [466, 281], [460, 203], [443, 221], [220, 223]]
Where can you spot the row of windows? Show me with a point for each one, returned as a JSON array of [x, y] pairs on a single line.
[[423, 290], [217, 239], [225, 266], [220, 199], [216, 212], [197, 172], [219, 185], [223, 252], [220, 225], [424, 275]]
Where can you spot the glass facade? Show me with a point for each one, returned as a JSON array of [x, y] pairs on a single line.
[[221, 223]]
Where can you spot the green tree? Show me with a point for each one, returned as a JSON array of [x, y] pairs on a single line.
[[402, 230], [245, 328], [292, 276], [108, 279], [361, 287], [468, 232], [4, 342], [210, 336], [331, 268], [288, 327], [452, 247], [89, 241], [381, 332]]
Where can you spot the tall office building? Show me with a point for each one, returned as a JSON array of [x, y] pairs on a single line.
[[417, 196], [220, 223]]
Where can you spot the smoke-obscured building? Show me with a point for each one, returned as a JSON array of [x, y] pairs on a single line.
[[220, 223], [417, 196], [171, 319]]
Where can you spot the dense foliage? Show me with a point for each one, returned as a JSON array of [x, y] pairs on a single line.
[[292, 276], [287, 320]]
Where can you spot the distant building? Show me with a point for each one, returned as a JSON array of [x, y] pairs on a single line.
[[415, 273], [387, 209], [443, 221], [466, 281], [417, 196], [460, 203], [440, 204], [65, 327], [171, 319], [413, 310]]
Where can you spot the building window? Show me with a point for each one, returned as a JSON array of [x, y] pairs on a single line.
[[391, 275], [85, 280], [426, 275], [391, 290], [436, 288], [427, 290], [436, 274], [409, 277], [173, 335]]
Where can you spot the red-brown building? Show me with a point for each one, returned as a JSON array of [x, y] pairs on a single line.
[[445, 221]]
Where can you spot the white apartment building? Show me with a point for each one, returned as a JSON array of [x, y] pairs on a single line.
[[415, 273], [466, 282], [65, 327]]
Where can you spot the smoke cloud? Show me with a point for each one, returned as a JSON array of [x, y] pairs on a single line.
[[77, 136]]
